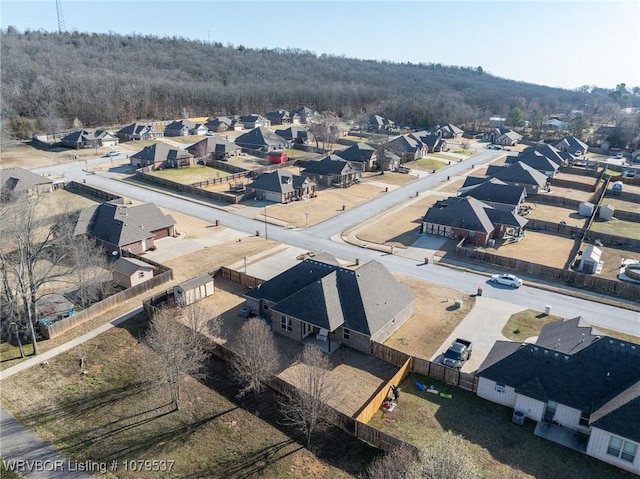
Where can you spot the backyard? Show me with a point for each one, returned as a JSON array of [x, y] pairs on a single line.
[[191, 174], [612, 259], [628, 229], [556, 214], [501, 448], [572, 193]]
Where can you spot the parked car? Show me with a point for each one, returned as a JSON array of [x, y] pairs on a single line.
[[494, 147], [619, 156], [457, 354], [507, 280], [113, 153]]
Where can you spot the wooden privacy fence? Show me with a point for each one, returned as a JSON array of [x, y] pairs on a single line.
[[553, 201], [214, 195], [623, 195], [388, 354], [366, 412], [574, 185], [97, 192], [565, 230], [237, 277]]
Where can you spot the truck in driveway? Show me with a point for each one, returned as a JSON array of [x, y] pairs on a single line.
[[457, 354]]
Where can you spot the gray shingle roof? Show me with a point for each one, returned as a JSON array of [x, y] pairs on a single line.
[[159, 152], [496, 191], [279, 181], [325, 294], [465, 213], [195, 282], [137, 129], [122, 225], [293, 133], [520, 173], [180, 124], [547, 150], [329, 165], [360, 152], [128, 266], [535, 160], [18, 180], [213, 144], [567, 336], [260, 137], [623, 420]]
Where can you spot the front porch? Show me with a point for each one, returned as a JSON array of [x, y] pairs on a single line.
[[562, 435]]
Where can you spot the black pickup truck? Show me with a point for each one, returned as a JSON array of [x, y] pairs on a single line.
[[457, 354]]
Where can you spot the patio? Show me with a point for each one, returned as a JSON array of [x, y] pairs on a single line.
[[561, 435]]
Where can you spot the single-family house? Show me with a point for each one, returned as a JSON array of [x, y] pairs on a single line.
[[305, 115], [282, 187], [322, 303], [193, 290], [295, 134], [496, 193], [572, 145], [278, 117], [519, 174], [556, 124], [125, 227], [332, 171], [497, 121], [433, 143], [549, 151], [160, 156], [603, 132], [360, 154], [253, 121], [449, 131], [378, 123], [139, 131], [263, 139], [179, 128], [213, 148], [15, 181], [128, 272], [537, 161], [581, 388], [89, 139], [407, 147], [467, 217], [219, 124], [510, 138]]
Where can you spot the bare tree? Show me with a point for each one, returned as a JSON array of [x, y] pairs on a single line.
[[34, 251], [325, 129], [448, 458], [307, 408], [176, 354], [397, 463], [91, 276], [201, 319], [257, 357]]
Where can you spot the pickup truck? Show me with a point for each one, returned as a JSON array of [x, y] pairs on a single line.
[[457, 354]]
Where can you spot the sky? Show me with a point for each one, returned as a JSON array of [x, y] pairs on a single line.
[[560, 43]]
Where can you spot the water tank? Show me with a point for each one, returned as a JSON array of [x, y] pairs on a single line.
[[518, 418]]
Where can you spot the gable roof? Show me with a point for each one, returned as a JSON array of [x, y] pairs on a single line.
[[80, 136], [360, 152], [251, 118], [18, 180], [465, 213], [137, 128], [511, 135], [535, 160], [278, 115], [260, 137], [586, 379], [279, 181], [159, 152], [180, 124], [623, 420], [292, 133], [329, 165], [128, 266], [121, 225], [405, 143], [327, 295], [567, 335], [200, 280], [213, 144], [547, 150], [494, 190], [520, 173]]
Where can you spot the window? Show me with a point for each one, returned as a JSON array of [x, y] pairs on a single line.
[[500, 388], [346, 334], [141, 274], [623, 449], [584, 418], [285, 323]]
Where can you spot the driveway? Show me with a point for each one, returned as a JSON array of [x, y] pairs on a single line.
[[483, 327]]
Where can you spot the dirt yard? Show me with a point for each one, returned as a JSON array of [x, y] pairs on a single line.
[[556, 214], [612, 259], [326, 205], [579, 195], [433, 320], [542, 248], [399, 228], [586, 180]]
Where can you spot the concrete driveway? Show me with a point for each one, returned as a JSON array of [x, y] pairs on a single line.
[[483, 327]]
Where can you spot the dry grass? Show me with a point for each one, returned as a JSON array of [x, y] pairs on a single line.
[[399, 228], [556, 214], [433, 319], [586, 180], [627, 229], [451, 186], [612, 259], [541, 248], [526, 324], [189, 175], [621, 205], [326, 205], [574, 194], [389, 177]]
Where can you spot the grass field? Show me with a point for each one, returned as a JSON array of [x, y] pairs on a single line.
[[113, 412], [621, 205], [426, 164], [190, 174], [501, 449], [628, 229], [556, 214]]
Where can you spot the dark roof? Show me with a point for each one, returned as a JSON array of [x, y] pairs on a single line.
[[221, 120], [518, 172], [571, 143], [405, 143], [278, 115], [17, 180], [213, 144], [328, 296], [474, 180], [180, 124], [584, 380], [330, 165], [535, 160], [137, 129], [624, 420], [159, 152], [121, 225], [128, 266], [195, 282], [360, 152], [260, 137], [567, 336], [292, 133], [251, 118], [496, 191], [547, 150], [80, 136], [465, 213], [279, 182], [499, 216]]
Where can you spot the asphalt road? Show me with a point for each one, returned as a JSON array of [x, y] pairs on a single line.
[[323, 237]]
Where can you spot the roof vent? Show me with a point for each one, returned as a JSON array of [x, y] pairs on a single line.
[[546, 351], [556, 355], [611, 341], [566, 358], [622, 345]]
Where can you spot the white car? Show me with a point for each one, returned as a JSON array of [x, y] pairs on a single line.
[[113, 153], [507, 280]]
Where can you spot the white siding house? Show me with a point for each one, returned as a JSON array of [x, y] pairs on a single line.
[[615, 450]]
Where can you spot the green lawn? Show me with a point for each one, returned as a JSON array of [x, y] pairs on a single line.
[[444, 156], [617, 227], [426, 164], [501, 448], [525, 324], [190, 174], [468, 152], [114, 412]]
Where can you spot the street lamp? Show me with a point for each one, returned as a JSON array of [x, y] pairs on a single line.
[[266, 237], [306, 217]]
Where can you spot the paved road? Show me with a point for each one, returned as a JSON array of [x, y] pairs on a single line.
[[323, 236]]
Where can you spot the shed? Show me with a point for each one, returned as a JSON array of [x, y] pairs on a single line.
[[590, 262], [193, 290], [277, 157], [586, 209], [128, 272], [606, 212]]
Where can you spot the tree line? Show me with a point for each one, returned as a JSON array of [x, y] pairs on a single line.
[[52, 81]]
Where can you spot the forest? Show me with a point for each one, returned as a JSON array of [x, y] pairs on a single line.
[[53, 81]]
